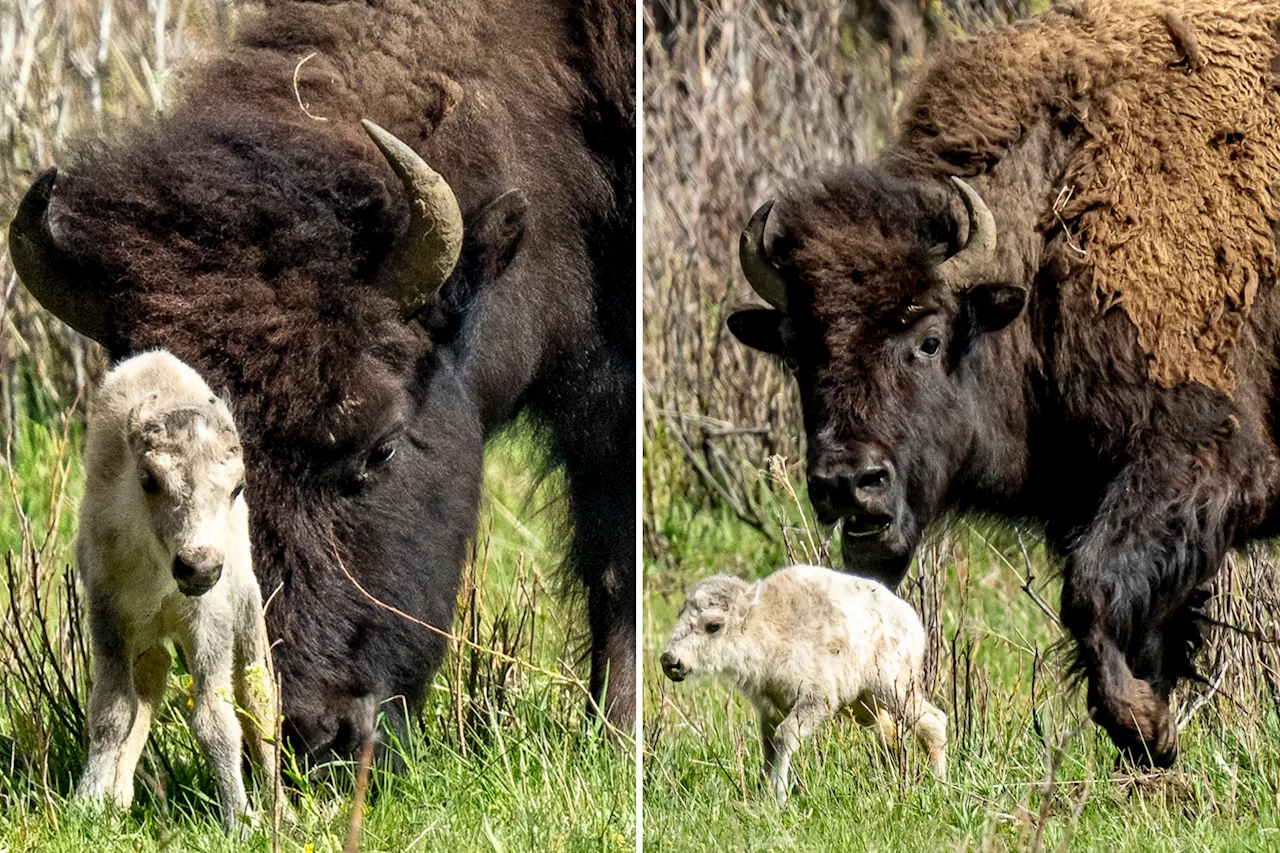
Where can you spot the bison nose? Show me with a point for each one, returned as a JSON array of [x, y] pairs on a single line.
[[673, 667], [831, 494], [863, 486], [196, 570], [871, 482]]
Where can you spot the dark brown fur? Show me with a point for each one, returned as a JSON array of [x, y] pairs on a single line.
[[243, 233], [1044, 401]]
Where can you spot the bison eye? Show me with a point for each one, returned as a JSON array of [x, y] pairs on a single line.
[[150, 484], [713, 627], [380, 455], [236, 492], [931, 346]]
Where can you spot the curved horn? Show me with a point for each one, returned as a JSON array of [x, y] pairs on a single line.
[[46, 270], [962, 269], [422, 260], [762, 275]]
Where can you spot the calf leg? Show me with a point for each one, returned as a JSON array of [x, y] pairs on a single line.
[[150, 672], [929, 726], [113, 707], [810, 712], [769, 720], [214, 723]]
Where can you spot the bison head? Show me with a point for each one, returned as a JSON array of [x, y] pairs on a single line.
[[302, 270], [879, 309]]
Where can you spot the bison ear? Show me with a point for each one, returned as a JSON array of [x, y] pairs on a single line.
[[758, 328], [991, 307], [498, 231]]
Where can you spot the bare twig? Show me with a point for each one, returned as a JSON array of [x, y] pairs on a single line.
[[357, 803], [1203, 699], [297, 69], [559, 678]]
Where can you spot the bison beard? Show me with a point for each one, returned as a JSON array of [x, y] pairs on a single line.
[[1015, 389], [276, 253]]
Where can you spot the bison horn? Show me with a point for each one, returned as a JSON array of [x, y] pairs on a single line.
[[962, 269], [47, 271], [761, 274], [422, 260]]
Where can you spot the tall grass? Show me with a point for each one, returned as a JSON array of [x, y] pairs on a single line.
[[1028, 771], [502, 755], [742, 96]]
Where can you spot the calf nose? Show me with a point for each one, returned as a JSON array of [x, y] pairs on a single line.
[[673, 667], [196, 570]]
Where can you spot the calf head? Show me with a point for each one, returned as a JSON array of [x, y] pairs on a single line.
[[189, 472], [708, 627], [876, 310]]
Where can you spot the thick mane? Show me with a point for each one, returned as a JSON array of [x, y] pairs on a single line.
[[1178, 103], [261, 210]]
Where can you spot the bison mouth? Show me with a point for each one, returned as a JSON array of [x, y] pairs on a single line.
[[876, 547], [868, 527]]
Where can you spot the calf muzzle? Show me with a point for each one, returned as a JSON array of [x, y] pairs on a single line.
[[673, 667], [197, 570]]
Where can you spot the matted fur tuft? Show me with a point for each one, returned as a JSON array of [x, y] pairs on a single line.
[[1181, 115]]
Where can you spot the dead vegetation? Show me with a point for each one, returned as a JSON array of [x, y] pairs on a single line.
[[741, 96]]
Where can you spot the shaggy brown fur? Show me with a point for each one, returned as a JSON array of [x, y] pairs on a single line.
[[243, 232], [1110, 373], [1182, 120]]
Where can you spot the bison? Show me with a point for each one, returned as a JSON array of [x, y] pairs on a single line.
[[385, 230], [1052, 299]]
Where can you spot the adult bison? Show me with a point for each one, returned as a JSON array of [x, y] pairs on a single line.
[[1053, 298], [379, 300]]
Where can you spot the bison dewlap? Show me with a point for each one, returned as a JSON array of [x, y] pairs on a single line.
[[803, 644], [163, 554]]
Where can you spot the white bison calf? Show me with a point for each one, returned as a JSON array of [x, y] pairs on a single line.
[[163, 554], [803, 644]]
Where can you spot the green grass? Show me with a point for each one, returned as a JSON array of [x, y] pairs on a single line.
[[507, 765], [1007, 707]]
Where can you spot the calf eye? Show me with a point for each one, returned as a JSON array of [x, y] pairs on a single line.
[[931, 346], [713, 627], [235, 493], [380, 455], [150, 484]]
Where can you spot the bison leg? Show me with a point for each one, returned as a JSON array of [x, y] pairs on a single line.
[[600, 473], [150, 672], [1163, 528], [216, 726]]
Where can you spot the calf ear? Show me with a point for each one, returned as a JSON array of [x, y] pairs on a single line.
[[758, 328], [991, 307], [498, 230]]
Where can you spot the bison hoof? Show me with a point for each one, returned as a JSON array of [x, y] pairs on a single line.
[[1140, 724]]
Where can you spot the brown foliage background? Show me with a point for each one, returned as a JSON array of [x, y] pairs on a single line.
[[740, 97], [75, 69]]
